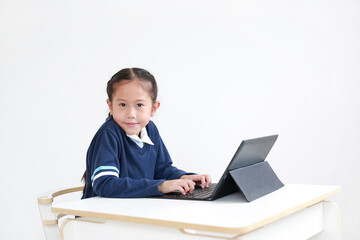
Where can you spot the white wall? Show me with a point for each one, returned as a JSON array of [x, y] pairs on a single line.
[[227, 71]]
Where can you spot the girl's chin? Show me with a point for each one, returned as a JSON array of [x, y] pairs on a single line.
[[132, 132], [129, 133]]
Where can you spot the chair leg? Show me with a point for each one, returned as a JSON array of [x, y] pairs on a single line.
[[49, 222]]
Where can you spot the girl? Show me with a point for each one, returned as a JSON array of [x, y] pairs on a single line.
[[127, 157]]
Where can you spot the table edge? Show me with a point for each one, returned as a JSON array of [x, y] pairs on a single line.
[[209, 228]]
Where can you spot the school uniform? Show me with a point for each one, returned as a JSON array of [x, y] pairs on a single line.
[[123, 166]]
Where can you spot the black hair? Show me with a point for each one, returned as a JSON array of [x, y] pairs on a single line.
[[129, 74]]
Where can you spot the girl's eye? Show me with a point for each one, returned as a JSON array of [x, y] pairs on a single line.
[[122, 104], [140, 104]]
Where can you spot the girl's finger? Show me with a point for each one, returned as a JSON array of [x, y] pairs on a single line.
[[203, 181], [185, 186], [208, 180], [180, 189], [191, 185]]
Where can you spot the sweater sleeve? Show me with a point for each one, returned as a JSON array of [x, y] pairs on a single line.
[[105, 172], [164, 167]]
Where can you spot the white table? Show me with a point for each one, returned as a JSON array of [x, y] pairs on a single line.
[[292, 212]]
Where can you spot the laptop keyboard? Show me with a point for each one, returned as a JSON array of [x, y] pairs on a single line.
[[198, 193]]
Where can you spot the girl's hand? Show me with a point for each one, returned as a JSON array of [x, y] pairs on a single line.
[[203, 179], [182, 185]]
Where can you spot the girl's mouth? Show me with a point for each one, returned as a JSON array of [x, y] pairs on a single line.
[[130, 124]]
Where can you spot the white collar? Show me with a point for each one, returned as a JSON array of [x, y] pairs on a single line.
[[144, 138]]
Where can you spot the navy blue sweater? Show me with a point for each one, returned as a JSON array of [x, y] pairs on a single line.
[[117, 167]]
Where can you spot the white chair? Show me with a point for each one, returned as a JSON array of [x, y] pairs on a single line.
[[49, 219]]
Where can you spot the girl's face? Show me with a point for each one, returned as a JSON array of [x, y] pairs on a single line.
[[132, 106]]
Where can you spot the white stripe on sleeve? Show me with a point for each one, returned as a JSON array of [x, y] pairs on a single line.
[[104, 174]]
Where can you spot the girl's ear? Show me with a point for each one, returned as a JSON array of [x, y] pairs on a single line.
[[110, 106], [156, 106]]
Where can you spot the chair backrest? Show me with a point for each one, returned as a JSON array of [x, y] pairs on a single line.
[[48, 218]]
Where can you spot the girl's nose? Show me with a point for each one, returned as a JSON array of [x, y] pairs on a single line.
[[131, 113]]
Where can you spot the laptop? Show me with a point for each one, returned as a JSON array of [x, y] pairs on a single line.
[[250, 152]]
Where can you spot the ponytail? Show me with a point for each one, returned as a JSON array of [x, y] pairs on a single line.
[[83, 179]]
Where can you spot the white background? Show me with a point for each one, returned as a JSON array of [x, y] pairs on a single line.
[[227, 71]]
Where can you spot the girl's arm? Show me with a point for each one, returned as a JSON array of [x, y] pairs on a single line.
[[116, 187], [164, 168]]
